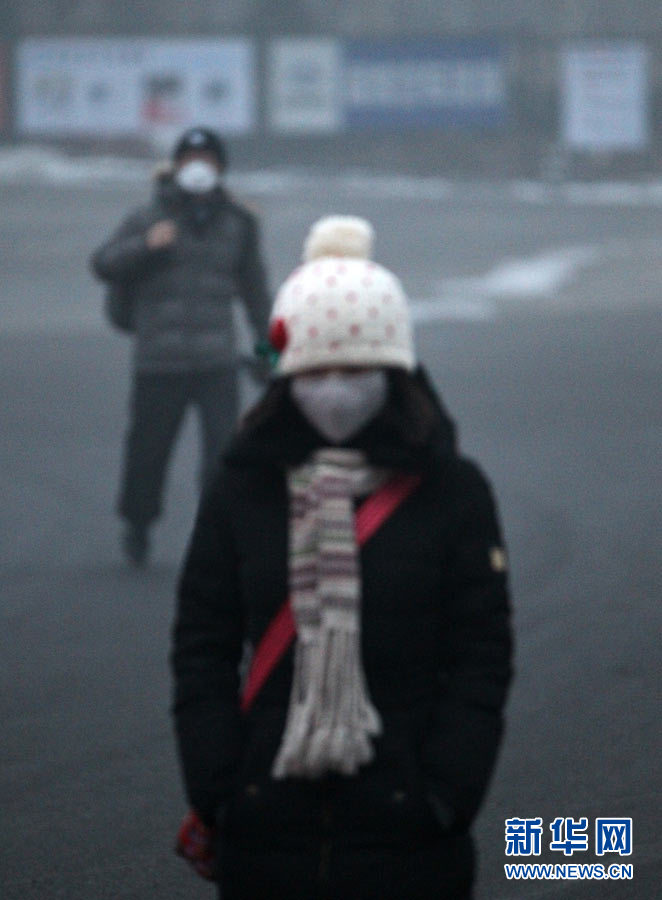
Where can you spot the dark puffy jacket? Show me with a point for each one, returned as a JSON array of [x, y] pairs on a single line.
[[182, 295], [436, 651]]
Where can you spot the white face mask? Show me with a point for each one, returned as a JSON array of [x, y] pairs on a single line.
[[197, 177], [339, 404]]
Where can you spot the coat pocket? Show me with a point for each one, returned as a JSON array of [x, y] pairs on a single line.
[[264, 809], [386, 802]]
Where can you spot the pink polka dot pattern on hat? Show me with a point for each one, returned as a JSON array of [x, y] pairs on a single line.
[[335, 313]]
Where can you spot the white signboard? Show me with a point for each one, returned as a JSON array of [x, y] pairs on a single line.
[[191, 82], [304, 85], [112, 87], [78, 86], [604, 96]]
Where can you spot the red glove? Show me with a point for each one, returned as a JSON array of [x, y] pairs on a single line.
[[195, 845]]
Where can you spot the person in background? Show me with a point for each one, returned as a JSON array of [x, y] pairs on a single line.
[[348, 542], [179, 263]]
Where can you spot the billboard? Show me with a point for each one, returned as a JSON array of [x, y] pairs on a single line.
[[604, 96], [77, 86], [188, 82], [424, 83], [130, 86], [303, 85]]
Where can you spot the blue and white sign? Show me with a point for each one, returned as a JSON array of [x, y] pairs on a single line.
[[424, 84]]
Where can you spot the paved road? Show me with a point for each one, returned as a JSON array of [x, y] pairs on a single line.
[[557, 393]]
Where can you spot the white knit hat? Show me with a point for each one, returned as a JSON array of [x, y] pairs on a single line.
[[340, 308]]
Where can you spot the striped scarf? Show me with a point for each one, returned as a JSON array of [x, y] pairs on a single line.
[[330, 719]]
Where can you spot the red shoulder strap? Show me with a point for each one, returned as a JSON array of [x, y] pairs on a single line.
[[281, 631]]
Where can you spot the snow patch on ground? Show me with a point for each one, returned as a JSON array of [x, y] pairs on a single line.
[[46, 165], [42, 165], [603, 193]]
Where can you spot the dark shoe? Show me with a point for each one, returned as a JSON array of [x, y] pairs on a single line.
[[135, 543]]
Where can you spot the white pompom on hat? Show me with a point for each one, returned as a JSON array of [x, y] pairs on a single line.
[[339, 236], [340, 308]]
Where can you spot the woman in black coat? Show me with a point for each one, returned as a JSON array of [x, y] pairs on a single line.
[[354, 762]]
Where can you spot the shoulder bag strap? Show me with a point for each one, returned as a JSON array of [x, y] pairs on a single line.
[[281, 631]]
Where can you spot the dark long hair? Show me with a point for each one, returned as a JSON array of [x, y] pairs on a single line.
[[411, 414]]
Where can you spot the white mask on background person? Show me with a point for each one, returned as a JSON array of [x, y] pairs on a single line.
[[338, 404], [197, 176]]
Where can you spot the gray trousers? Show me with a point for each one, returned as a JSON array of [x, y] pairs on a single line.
[[158, 404]]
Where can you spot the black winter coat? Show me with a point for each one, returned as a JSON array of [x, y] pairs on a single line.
[[436, 652], [182, 295]]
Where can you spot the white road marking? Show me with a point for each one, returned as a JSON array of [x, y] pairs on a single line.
[[480, 298], [514, 283]]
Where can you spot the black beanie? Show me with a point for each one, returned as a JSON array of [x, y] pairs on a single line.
[[202, 140]]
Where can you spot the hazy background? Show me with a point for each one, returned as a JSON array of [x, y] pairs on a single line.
[[508, 155]]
